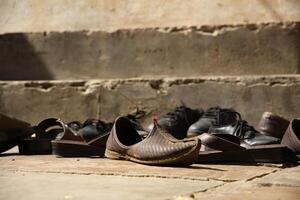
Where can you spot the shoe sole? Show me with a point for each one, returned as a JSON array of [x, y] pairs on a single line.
[[259, 154], [75, 149]]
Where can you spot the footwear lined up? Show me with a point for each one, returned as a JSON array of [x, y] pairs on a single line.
[[181, 137]]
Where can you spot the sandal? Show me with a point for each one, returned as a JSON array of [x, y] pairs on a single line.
[[218, 148], [40, 142], [88, 141]]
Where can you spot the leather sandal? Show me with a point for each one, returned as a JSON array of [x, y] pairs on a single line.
[[39, 142], [218, 148], [87, 142]]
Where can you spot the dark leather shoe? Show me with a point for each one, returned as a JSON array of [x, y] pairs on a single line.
[[272, 125], [213, 116], [246, 133], [158, 148], [92, 128], [179, 120], [291, 137], [134, 119]]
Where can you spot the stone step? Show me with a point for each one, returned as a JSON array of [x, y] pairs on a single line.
[[107, 98], [253, 49], [107, 15]]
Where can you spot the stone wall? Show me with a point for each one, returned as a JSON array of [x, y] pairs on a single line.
[[253, 49], [110, 15], [151, 54], [106, 99]]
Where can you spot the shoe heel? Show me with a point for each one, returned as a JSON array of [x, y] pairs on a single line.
[[113, 155]]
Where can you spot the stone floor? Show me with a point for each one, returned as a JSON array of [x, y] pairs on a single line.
[[48, 177]]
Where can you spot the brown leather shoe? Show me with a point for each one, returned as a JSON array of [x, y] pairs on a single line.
[[291, 137], [158, 148], [273, 125]]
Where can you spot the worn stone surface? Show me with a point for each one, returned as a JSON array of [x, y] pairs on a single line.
[[287, 177], [281, 184], [62, 15], [107, 99], [255, 49], [31, 177], [251, 192], [34, 102], [103, 166], [27, 186], [249, 95]]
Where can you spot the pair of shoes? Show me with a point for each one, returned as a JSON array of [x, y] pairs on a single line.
[[218, 120], [225, 137], [214, 116], [178, 120]]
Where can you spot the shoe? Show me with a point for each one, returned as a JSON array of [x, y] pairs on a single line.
[[40, 142], [12, 130], [179, 120], [291, 137], [220, 148], [92, 128], [158, 148], [213, 116], [134, 119], [245, 132], [89, 140], [75, 125], [272, 125]]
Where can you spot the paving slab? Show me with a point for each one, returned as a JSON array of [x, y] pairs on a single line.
[[29, 185], [103, 166], [49, 177], [281, 184], [252, 193], [289, 177]]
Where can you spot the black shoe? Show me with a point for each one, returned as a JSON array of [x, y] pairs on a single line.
[[134, 119], [75, 125], [91, 128], [213, 116], [179, 120], [245, 132]]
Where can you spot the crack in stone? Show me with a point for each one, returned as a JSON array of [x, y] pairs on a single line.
[[277, 184], [207, 189], [261, 175], [120, 174]]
